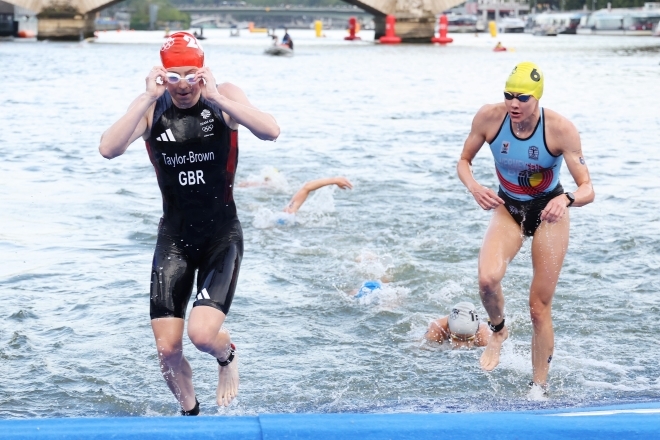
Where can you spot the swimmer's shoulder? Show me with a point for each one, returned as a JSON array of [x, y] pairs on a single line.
[[490, 114], [489, 119], [483, 335], [559, 131]]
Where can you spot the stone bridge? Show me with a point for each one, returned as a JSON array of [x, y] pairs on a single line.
[[74, 19], [415, 19]]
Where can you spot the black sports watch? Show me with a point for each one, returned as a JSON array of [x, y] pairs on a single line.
[[570, 197]]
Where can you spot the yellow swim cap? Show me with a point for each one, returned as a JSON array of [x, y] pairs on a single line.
[[526, 78]]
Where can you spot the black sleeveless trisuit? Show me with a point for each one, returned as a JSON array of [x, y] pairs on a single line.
[[195, 155]]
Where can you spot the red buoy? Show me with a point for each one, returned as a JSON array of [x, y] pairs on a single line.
[[352, 27], [442, 38], [390, 37]]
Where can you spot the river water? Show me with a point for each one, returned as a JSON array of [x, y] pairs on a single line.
[[77, 231]]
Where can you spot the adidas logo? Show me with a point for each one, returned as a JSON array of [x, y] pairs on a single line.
[[166, 137], [203, 294]]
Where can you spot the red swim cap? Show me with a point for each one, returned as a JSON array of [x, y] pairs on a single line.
[[181, 49]]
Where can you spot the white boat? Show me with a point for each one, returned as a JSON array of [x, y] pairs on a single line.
[[562, 22], [279, 50], [619, 22], [462, 23], [508, 25], [545, 31]]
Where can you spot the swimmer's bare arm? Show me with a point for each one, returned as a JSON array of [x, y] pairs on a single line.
[[135, 123], [237, 107], [438, 330], [299, 198], [563, 138], [484, 125]]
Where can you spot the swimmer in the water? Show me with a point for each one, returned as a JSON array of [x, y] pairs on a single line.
[[299, 198], [461, 328], [190, 126], [367, 288], [529, 144]]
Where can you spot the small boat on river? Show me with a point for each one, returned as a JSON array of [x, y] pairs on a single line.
[[511, 25], [280, 50]]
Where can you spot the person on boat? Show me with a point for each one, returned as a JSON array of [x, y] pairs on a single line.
[[190, 126], [529, 144], [461, 328], [286, 39]]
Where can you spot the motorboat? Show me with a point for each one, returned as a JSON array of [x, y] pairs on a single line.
[[562, 22], [508, 25], [545, 31], [280, 50], [462, 23]]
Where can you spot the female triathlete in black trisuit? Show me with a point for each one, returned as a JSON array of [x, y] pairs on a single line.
[[190, 127]]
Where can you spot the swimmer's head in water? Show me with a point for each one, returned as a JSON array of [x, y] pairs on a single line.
[[181, 49], [368, 287], [526, 78], [463, 320]]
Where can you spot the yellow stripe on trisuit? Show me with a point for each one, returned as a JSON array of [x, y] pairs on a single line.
[[527, 79]]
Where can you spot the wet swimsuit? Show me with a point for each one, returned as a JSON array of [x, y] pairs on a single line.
[[528, 173], [195, 155]]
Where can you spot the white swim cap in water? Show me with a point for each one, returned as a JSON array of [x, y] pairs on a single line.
[[463, 319]]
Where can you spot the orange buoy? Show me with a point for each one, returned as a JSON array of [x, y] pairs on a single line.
[[390, 37], [442, 38], [352, 29], [25, 34]]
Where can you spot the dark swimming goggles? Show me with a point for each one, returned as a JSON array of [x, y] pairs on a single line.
[[462, 338], [522, 98]]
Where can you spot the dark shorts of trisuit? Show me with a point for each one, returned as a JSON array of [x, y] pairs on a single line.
[[217, 260], [528, 213]]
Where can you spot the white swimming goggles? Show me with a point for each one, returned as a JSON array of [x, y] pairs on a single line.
[[174, 78]]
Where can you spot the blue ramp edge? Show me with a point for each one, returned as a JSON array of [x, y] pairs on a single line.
[[612, 422]]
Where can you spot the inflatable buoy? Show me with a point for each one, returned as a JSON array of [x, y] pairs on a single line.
[[253, 29], [352, 29], [26, 34], [442, 38], [390, 37]]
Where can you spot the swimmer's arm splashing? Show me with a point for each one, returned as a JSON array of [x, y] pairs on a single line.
[[299, 198]]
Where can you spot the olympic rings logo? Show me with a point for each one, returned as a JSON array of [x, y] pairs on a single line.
[[169, 43], [207, 128]]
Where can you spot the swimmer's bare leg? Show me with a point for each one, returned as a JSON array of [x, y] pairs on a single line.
[[173, 365], [502, 242], [206, 332], [549, 248]]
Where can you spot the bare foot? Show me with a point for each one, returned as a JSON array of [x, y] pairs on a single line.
[[491, 356], [227, 383]]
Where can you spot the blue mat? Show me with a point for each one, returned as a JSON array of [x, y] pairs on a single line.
[[641, 421]]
